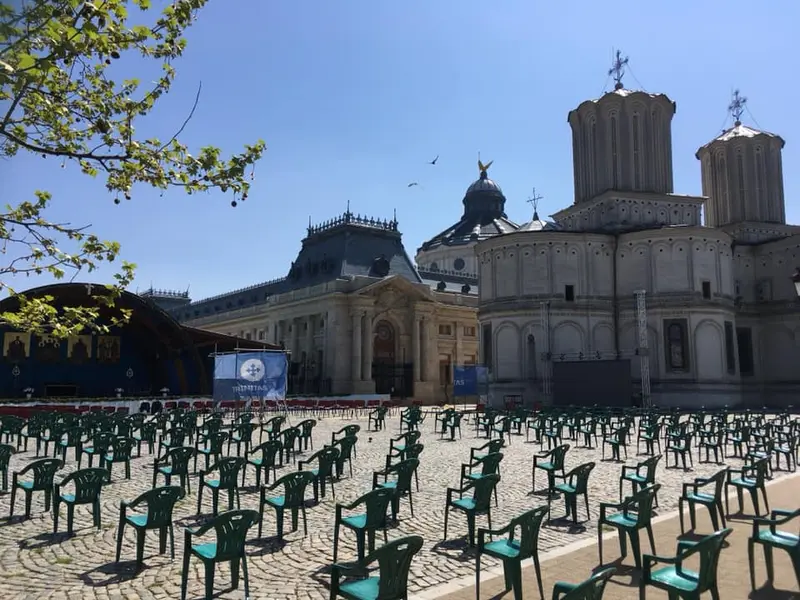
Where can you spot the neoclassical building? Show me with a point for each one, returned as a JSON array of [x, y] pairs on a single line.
[[628, 291], [356, 314]]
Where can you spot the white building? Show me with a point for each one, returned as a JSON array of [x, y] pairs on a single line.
[[719, 319]]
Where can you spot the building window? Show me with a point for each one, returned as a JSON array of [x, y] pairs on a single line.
[[569, 293], [676, 345], [469, 359], [445, 371], [486, 346], [469, 332], [262, 334], [744, 339], [706, 290], [730, 351], [737, 288], [445, 330], [247, 336]]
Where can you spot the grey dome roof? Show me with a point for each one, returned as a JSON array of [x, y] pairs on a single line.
[[538, 225], [484, 184]]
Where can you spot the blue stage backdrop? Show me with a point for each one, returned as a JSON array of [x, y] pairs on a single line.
[[250, 376], [470, 380]]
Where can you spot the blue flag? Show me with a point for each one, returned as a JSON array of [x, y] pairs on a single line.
[[250, 376]]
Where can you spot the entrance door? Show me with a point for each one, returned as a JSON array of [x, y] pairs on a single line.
[[390, 376]]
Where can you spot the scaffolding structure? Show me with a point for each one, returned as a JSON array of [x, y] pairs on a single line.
[[644, 358]]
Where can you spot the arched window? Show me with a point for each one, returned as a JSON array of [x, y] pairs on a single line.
[[637, 175], [676, 346], [531, 357], [614, 156]]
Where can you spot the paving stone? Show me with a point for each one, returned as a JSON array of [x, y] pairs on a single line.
[[35, 563]]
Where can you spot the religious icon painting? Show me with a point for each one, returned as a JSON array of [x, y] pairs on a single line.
[[16, 346], [108, 349], [48, 349], [79, 348]]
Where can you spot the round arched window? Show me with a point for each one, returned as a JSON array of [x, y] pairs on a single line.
[[459, 264]]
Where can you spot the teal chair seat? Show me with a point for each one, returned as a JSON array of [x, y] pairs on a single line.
[[701, 497], [165, 470], [566, 488], [683, 580], [388, 484], [68, 497], [465, 503], [635, 477], [26, 485], [362, 589], [779, 538], [208, 550], [356, 521], [276, 501], [212, 483], [502, 548], [743, 482], [622, 520], [136, 520], [547, 466], [256, 461]]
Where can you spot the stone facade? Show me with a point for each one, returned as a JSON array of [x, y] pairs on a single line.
[[720, 322]]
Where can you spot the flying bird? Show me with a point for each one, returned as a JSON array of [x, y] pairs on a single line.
[[412, 184], [433, 162]]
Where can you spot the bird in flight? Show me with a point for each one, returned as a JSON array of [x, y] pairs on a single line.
[[412, 184], [433, 162]]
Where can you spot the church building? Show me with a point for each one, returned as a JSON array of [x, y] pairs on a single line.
[[628, 292]]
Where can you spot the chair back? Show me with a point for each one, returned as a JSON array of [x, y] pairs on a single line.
[[178, 459], [294, 487], [641, 503], [709, 549], [529, 524], [394, 563], [490, 463], [592, 588], [376, 503], [559, 453], [483, 490], [228, 469], [231, 528], [160, 503], [6, 450], [44, 471], [405, 473], [88, 483]]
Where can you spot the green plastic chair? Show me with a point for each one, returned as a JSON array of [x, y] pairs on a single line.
[[263, 457], [479, 504], [145, 434], [174, 464], [489, 464], [364, 525], [401, 442], [680, 582], [293, 499], [401, 483], [209, 445], [394, 562], [590, 589], [633, 514], [272, 427], [378, 417], [512, 550], [160, 503], [326, 459], [43, 472], [752, 478], [347, 450], [292, 438], [773, 538], [71, 438], [121, 451], [98, 445], [711, 499], [576, 483], [242, 436], [88, 484], [550, 462], [640, 476], [231, 534], [489, 447], [223, 476], [307, 433], [6, 450]]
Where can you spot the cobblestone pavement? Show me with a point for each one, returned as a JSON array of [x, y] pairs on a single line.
[[35, 563]]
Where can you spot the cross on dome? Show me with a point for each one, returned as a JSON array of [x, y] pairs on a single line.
[[534, 201], [737, 107], [617, 69]]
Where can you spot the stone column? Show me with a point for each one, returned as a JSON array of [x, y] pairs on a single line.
[[356, 354], [459, 356], [295, 339], [425, 347], [416, 355], [309, 335], [367, 348]]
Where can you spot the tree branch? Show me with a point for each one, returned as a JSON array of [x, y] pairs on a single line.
[[189, 118]]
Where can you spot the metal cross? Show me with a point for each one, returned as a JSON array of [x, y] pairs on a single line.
[[253, 370], [618, 68], [534, 201], [737, 106]]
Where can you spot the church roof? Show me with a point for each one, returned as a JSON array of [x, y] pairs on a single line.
[[739, 131], [537, 224], [484, 184], [620, 92]]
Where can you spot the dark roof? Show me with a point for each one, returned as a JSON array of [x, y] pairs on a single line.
[[347, 246], [484, 216], [223, 342]]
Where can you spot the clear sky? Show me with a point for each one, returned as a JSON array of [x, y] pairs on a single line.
[[354, 97]]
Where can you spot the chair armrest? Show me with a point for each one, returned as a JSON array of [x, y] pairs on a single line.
[[562, 588], [482, 533], [627, 468]]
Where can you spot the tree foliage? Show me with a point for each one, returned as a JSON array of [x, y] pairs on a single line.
[[61, 97]]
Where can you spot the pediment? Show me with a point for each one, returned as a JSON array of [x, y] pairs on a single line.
[[395, 292]]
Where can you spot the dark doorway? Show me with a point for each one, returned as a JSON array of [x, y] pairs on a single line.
[[390, 376]]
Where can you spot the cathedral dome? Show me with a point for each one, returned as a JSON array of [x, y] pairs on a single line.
[[484, 184]]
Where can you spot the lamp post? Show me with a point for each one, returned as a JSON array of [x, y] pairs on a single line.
[[796, 281]]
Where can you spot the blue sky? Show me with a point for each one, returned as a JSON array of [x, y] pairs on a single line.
[[354, 97]]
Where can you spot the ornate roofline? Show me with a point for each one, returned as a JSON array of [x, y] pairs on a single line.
[[153, 292], [348, 218]]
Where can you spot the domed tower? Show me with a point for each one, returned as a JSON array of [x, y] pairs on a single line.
[[742, 172], [484, 216], [622, 141]]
